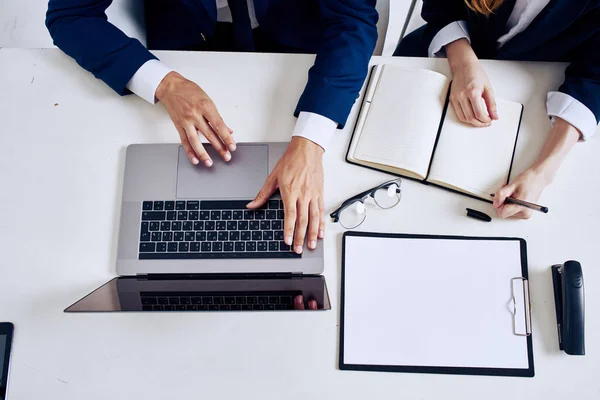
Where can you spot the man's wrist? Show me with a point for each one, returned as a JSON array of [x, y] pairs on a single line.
[[166, 84], [306, 145], [147, 78], [315, 127]]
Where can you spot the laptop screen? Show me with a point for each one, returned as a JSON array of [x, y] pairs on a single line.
[[207, 294]]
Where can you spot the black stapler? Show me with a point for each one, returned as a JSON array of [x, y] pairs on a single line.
[[570, 310]]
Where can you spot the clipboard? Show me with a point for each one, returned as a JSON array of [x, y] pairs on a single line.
[[435, 304]]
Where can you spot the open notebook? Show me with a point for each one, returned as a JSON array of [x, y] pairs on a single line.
[[407, 128]]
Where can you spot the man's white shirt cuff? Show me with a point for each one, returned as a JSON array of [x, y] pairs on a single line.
[[573, 111], [146, 79], [448, 34], [316, 128]]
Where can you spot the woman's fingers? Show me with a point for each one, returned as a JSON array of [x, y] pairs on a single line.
[[480, 110], [490, 102], [467, 108]]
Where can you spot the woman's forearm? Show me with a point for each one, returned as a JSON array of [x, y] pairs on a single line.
[[530, 184], [460, 54], [561, 140]]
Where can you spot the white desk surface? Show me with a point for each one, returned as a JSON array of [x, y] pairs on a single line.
[[62, 144]]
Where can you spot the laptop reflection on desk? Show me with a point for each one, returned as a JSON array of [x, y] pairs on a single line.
[[216, 293]]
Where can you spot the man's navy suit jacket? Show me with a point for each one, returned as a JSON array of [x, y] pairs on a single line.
[[341, 32]]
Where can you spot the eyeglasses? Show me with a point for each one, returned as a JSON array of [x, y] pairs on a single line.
[[352, 212]]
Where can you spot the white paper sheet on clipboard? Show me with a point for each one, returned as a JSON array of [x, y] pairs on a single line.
[[435, 303]]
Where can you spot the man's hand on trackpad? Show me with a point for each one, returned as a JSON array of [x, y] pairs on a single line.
[[299, 177], [194, 113]]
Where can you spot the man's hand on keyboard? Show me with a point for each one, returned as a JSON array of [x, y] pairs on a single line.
[[299, 177], [299, 303], [193, 112]]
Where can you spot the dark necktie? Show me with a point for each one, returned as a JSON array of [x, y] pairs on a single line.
[[242, 28]]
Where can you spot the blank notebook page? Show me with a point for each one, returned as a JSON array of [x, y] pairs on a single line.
[[432, 302], [476, 160], [404, 118]]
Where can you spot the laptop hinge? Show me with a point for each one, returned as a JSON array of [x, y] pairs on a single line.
[[276, 275]]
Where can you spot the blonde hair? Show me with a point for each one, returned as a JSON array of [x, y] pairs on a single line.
[[485, 7]]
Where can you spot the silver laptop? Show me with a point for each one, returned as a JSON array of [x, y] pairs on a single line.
[[188, 243]]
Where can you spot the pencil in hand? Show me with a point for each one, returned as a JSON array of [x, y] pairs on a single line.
[[531, 206]]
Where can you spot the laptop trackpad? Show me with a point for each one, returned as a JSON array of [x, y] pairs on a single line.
[[240, 178]]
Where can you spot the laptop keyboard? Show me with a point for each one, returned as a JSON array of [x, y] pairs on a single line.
[[254, 301], [211, 229]]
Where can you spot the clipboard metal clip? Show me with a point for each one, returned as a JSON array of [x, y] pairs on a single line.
[[524, 284]]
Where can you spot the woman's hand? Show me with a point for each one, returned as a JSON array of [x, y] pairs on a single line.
[[471, 95], [527, 186]]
